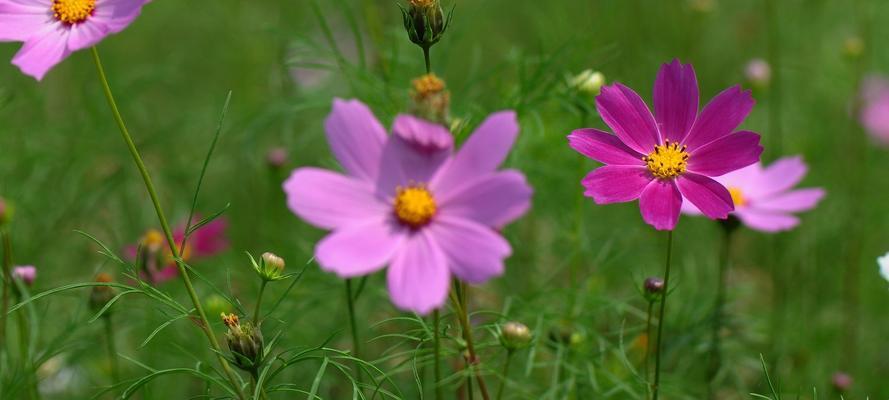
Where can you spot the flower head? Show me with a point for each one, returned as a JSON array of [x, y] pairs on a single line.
[[101, 295], [514, 336], [883, 262], [270, 267], [758, 72], [53, 29], [156, 262], [408, 201], [431, 99], [764, 198], [672, 155], [425, 22], [588, 82], [276, 157], [245, 342], [874, 115], [25, 273]]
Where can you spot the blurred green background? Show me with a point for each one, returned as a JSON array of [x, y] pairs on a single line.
[[810, 300]]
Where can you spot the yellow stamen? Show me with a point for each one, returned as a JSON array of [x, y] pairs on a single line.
[[427, 85], [422, 3], [667, 160], [414, 206], [153, 240], [73, 11], [230, 320], [737, 197]]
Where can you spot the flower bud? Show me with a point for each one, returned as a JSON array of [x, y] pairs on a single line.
[[101, 295], [244, 342], [270, 267], [5, 212], [588, 82], [841, 381], [514, 336], [653, 288], [424, 22], [276, 157], [758, 72], [431, 98], [25, 273]]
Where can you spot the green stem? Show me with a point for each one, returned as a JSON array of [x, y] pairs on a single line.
[[7, 286], [427, 59], [24, 347], [165, 226], [259, 303], [660, 321], [356, 342], [472, 361], [505, 374], [646, 361], [718, 310], [436, 340], [112, 349]]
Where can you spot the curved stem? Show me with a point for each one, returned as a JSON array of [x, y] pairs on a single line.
[[660, 320], [259, 303], [505, 374], [165, 226], [356, 342], [472, 361], [436, 340]]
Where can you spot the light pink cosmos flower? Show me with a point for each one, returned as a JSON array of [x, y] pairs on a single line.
[[53, 29], [662, 158], [875, 108], [764, 197], [156, 260], [408, 201], [26, 273]]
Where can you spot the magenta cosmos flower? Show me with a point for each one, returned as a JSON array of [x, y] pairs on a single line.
[[763, 197], [157, 262], [875, 108], [26, 273], [407, 201], [53, 29], [662, 158]]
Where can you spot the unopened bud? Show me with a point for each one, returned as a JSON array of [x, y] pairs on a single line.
[[654, 288], [101, 295], [270, 267], [273, 261], [244, 341], [276, 157], [514, 336], [588, 82], [853, 47], [424, 22], [432, 101], [758, 72], [25, 273], [841, 381]]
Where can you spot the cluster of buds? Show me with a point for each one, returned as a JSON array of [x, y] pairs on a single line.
[[588, 82], [244, 342], [653, 288], [5, 212], [514, 336], [425, 22], [270, 267], [101, 294], [431, 99]]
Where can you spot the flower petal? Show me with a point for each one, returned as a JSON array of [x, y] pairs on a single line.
[[726, 154], [20, 20], [720, 117], [361, 248], [782, 175], [603, 147], [616, 183], [118, 14], [794, 201], [625, 112], [660, 203], [482, 153], [413, 154], [766, 221], [675, 100], [418, 277], [85, 35], [330, 200], [43, 51], [356, 138], [709, 196], [493, 200], [475, 252]]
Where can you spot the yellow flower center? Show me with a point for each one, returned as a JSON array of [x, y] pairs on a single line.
[[667, 161], [73, 11], [414, 206], [737, 197], [422, 3], [427, 85]]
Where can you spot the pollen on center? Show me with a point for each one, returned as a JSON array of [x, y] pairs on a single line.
[[73, 11], [414, 205], [668, 160]]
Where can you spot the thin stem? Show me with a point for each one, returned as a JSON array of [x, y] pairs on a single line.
[[472, 360], [646, 361], [426, 58], [259, 303], [436, 340], [505, 374], [112, 349], [718, 310], [24, 346], [356, 342], [7, 286], [165, 226], [660, 321]]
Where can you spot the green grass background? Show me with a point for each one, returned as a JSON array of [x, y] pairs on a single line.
[[810, 301]]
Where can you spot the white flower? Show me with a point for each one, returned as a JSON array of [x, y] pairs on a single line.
[[884, 265]]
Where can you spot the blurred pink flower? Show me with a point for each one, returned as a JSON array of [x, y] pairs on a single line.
[[672, 155], [26, 273], [764, 197], [758, 72], [157, 262], [875, 108], [53, 29], [408, 201]]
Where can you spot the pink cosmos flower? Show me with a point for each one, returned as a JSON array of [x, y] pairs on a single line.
[[875, 108], [26, 273], [763, 197], [662, 158], [53, 29], [158, 264], [408, 201]]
